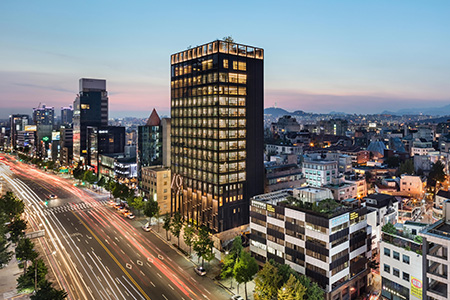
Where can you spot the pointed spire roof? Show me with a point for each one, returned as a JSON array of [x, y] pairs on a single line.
[[154, 119]]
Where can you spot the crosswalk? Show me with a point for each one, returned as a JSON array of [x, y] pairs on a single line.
[[74, 206]]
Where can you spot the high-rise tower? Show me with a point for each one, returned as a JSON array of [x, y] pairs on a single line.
[[90, 109], [217, 132]]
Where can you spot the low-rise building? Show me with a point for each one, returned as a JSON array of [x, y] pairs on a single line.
[[319, 172], [155, 184], [324, 240], [412, 185], [385, 210], [436, 258], [401, 263], [342, 190]]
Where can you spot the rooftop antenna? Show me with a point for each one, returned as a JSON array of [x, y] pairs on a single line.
[[275, 104]]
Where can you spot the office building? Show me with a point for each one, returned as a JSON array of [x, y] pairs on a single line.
[[217, 132], [44, 115], [90, 110], [315, 236], [17, 123], [149, 145], [104, 140], [66, 144], [66, 115], [436, 259]]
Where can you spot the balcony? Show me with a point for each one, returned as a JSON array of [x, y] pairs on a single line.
[[437, 269], [438, 288], [438, 251]]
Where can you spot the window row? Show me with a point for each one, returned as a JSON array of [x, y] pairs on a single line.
[[208, 122], [180, 155], [396, 255], [209, 78], [396, 272], [209, 133], [209, 101], [209, 90], [209, 112]]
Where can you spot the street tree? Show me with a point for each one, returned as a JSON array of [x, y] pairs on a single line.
[[151, 208], [17, 229], [437, 172], [167, 224], [47, 292], [245, 269], [203, 245], [188, 236], [89, 177], [11, 206], [26, 282], [231, 259], [25, 252], [5, 254], [406, 167], [266, 282], [313, 290], [177, 224], [291, 290], [121, 191]]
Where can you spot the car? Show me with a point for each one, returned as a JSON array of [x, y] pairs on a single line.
[[123, 208], [146, 227], [236, 297], [111, 203], [200, 271], [117, 205], [131, 216], [126, 212], [52, 196]]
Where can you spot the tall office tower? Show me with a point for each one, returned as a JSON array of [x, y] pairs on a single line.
[[17, 123], [217, 132], [66, 115], [43, 115], [90, 109], [149, 146]]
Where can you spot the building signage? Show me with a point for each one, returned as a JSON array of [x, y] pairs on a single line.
[[354, 215], [270, 208], [258, 204], [45, 138], [56, 135], [30, 127], [339, 220], [416, 287]]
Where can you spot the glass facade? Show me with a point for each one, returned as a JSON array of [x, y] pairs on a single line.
[[210, 135]]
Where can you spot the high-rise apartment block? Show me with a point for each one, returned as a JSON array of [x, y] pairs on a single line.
[[149, 145], [217, 97], [43, 115], [90, 109]]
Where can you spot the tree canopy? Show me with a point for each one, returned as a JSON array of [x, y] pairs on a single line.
[[245, 269]]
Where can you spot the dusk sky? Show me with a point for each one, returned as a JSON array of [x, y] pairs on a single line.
[[320, 56]]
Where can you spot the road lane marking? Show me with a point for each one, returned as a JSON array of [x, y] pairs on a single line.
[[128, 266], [164, 297], [159, 275], [139, 262], [143, 274], [171, 287], [151, 282], [114, 258]]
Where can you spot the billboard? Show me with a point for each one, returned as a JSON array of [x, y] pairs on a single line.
[[416, 287], [30, 127], [56, 135]]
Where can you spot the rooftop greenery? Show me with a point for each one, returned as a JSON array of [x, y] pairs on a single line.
[[326, 207]]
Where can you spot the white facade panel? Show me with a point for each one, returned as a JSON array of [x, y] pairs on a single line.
[[276, 222], [257, 227], [295, 214], [294, 241]]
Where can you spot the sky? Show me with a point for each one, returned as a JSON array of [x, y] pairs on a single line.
[[320, 56]]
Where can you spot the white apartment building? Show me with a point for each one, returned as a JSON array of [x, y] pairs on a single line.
[[401, 263], [330, 247], [413, 185]]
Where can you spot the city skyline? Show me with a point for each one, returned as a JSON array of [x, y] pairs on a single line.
[[320, 57]]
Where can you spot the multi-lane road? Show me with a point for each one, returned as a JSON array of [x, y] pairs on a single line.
[[95, 253]]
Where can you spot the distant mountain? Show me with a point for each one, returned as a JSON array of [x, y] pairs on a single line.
[[433, 111], [276, 112]]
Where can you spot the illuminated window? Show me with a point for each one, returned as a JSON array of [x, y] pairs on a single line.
[[225, 63], [84, 106], [242, 66]]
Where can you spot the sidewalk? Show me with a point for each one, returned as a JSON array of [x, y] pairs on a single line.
[[213, 267], [8, 280]]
